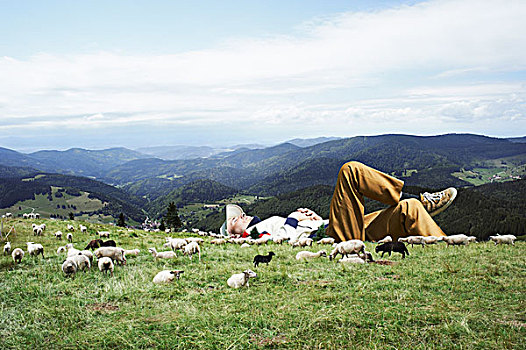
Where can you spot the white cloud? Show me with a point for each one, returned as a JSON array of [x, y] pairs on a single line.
[[386, 66]]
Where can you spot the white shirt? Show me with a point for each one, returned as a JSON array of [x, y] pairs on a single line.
[[276, 227]]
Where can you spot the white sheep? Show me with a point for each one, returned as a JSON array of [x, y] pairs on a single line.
[[456, 240], [61, 249], [472, 239], [305, 242], [81, 260], [353, 246], [162, 255], [352, 259], [105, 264], [88, 254], [431, 239], [115, 253], [58, 234], [504, 239], [69, 237], [70, 227], [240, 279], [244, 245], [83, 229], [326, 240], [134, 252], [218, 241], [17, 255], [386, 239], [7, 248], [71, 251], [279, 239], [167, 276], [35, 249], [8, 215], [412, 240], [192, 248], [194, 239], [69, 267], [176, 243], [104, 234], [305, 255]]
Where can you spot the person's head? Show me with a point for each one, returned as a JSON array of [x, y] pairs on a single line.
[[236, 220]]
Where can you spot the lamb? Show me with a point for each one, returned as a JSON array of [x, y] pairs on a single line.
[[279, 240], [305, 255], [105, 264], [353, 246], [70, 227], [218, 241], [194, 239], [81, 260], [304, 242], [94, 244], [58, 234], [192, 248], [258, 259], [385, 240], [412, 240], [456, 240], [115, 253], [17, 255], [69, 267], [105, 234], [504, 239], [83, 229], [389, 247], [7, 248], [69, 236], [134, 252], [35, 249], [167, 276], [240, 279], [431, 239], [326, 240], [162, 255], [176, 243], [352, 259]]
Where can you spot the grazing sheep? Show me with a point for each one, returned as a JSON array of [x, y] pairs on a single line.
[[245, 245], [88, 254], [218, 241], [58, 234], [69, 237], [81, 260], [472, 239], [167, 276], [176, 243], [279, 240], [326, 240], [431, 239], [162, 255], [352, 259], [258, 259], [70, 227], [385, 240], [194, 239], [105, 234], [305, 255], [240, 279], [105, 264], [7, 248], [456, 240], [94, 244], [353, 246], [71, 251], [304, 242], [115, 253], [504, 239], [8, 215], [61, 249], [108, 243], [134, 252], [69, 267], [412, 240], [262, 240], [389, 247], [35, 249], [17, 255], [192, 248], [83, 229]]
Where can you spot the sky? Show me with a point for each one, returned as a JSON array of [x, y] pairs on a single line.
[[99, 74]]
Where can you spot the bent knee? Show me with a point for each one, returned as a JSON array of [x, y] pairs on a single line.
[[413, 204], [351, 166]]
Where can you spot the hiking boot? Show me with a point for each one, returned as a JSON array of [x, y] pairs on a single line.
[[437, 202]]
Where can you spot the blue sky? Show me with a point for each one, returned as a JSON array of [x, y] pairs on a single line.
[[98, 74]]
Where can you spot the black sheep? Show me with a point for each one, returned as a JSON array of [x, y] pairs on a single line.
[[258, 259], [94, 244], [389, 247], [109, 243]]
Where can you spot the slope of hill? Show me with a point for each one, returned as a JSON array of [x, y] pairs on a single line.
[[312, 141]]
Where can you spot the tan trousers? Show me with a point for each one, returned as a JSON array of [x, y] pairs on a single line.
[[403, 218]]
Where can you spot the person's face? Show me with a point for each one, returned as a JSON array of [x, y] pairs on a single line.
[[239, 224]]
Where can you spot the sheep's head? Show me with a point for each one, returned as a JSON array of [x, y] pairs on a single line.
[[323, 253], [271, 254], [250, 274], [177, 273]]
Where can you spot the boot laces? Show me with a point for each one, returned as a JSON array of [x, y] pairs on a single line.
[[433, 197]]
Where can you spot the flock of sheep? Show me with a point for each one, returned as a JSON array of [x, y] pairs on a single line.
[[108, 254]]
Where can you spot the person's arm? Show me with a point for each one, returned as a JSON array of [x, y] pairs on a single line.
[[289, 228]]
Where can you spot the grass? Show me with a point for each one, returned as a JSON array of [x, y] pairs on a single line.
[[469, 297]]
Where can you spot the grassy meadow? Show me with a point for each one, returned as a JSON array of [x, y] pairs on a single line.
[[470, 297]]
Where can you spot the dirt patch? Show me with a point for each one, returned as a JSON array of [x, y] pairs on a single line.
[[385, 262], [269, 341], [102, 307]]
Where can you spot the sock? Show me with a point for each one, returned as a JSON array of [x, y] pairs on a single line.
[[405, 195]]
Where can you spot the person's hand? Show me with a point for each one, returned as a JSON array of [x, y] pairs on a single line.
[[304, 214]]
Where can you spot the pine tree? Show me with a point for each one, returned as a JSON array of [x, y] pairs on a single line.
[[71, 216], [121, 221], [172, 217], [162, 227]]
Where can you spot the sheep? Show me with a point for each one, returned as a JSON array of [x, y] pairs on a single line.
[[245, 245], [115, 253], [279, 240], [69, 267], [504, 239], [305, 255], [69, 237], [94, 244], [25, 216], [176, 243], [105, 234], [389, 247], [456, 240], [258, 259], [83, 229], [35, 249], [240, 279], [305, 242], [353, 246], [8, 215], [192, 248], [162, 255], [431, 239], [17, 255], [7, 248], [106, 264], [70, 227], [108, 243], [352, 259], [262, 240], [134, 252], [81, 260], [385, 240], [218, 241], [412, 240], [472, 239], [326, 240], [71, 251], [167, 276], [61, 249], [88, 254], [194, 239], [58, 235]]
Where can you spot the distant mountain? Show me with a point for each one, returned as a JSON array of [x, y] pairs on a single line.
[[311, 142], [517, 139], [191, 152], [10, 157], [8, 171]]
